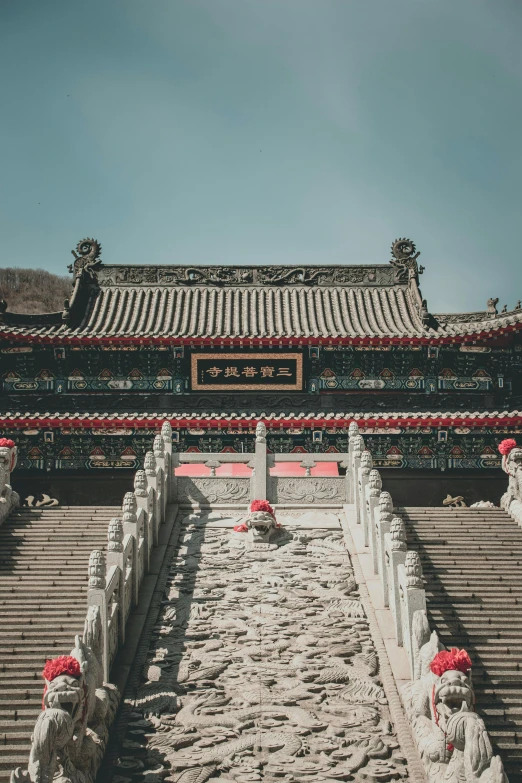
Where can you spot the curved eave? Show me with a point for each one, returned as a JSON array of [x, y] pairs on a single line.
[[430, 337], [406, 420]]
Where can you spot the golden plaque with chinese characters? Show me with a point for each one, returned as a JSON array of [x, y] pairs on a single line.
[[247, 371]]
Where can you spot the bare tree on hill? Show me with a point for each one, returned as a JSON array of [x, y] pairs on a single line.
[[33, 290]]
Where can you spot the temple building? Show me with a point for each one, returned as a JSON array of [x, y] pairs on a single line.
[[213, 349]]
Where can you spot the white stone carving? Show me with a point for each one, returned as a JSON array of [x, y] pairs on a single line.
[[451, 737], [212, 490], [9, 499], [71, 733], [261, 667], [260, 432], [310, 490], [511, 500]]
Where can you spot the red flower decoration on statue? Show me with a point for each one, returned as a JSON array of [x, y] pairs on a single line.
[[240, 528], [64, 664], [451, 660], [506, 446], [7, 443], [262, 505]]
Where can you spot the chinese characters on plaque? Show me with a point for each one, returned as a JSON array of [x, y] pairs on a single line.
[[243, 371]]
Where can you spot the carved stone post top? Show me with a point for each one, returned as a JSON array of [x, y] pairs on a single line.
[[150, 463], [166, 431], [413, 567], [158, 447], [260, 432], [129, 505], [374, 478], [357, 443], [366, 460], [115, 535], [385, 503], [308, 462], [398, 535], [140, 484], [353, 429], [97, 569]]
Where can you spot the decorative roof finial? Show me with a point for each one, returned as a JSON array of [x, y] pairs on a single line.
[[87, 256], [492, 306], [404, 259]]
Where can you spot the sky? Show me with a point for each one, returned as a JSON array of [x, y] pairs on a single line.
[[267, 132]]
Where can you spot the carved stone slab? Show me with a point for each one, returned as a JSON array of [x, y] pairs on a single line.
[[308, 490], [205, 491], [261, 668]]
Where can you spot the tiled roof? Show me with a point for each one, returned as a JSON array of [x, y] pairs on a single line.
[[212, 312], [409, 418]]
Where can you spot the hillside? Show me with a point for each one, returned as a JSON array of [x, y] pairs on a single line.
[[33, 290]]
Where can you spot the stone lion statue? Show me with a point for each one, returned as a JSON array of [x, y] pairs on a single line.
[[451, 738], [71, 732]]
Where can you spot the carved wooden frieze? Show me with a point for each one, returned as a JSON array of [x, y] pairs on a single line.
[[204, 491], [308, 490]]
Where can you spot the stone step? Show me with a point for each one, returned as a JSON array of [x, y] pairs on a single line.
[[472, 561], [44, 556]]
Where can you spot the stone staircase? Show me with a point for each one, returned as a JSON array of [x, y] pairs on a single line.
[[44, 556], [472, 563]]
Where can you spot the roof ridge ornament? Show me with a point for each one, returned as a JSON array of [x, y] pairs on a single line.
[[404, 259], [86, 255]]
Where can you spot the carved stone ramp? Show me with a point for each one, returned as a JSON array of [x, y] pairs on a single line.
[[260, 664], [472, 564], [44, 556]]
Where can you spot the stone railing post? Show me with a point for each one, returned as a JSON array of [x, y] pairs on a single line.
[[159, 455], [166, 434], [259, 476], [130, 526], [372, 504], [383, 521], [115, 558], [395, 554], [9, 499], [358, 448], [412, 599], [362, 484], [152, 481], [353, 434], [96, 596], [143, 501]]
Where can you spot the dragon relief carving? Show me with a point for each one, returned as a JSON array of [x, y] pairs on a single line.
[[246, 276], [86, 256], [404, 259], [261, 667]]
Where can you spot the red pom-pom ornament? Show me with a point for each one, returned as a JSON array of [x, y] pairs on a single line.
[[262, 505], [451, 660], [7, 443], [506, 446], [64, 664]]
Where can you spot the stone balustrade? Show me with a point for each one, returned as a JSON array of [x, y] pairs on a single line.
[[204, 491], [115, 576], [439, 701]]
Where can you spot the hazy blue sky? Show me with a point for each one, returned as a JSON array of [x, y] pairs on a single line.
[[267, 131]]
